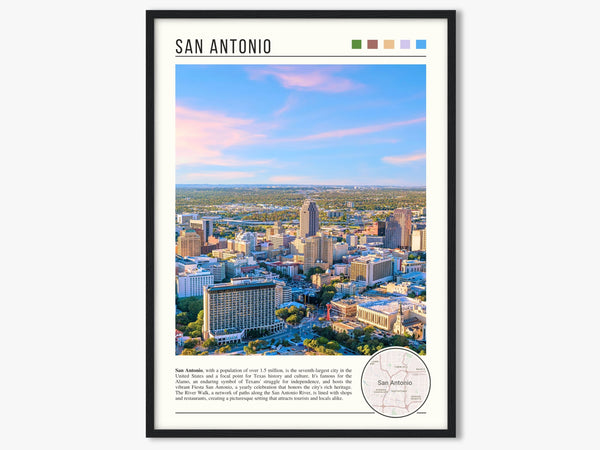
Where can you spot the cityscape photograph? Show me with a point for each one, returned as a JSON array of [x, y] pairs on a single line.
[[301, 221]]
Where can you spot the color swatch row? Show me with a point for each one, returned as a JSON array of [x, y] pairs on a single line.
[[357, 44]]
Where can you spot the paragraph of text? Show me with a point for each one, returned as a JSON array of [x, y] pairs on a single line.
[[262, 384]]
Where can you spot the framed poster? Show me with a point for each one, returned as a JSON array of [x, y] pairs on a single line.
[[301, 223]]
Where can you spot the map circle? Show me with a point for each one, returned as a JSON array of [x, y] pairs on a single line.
[[395, 382]]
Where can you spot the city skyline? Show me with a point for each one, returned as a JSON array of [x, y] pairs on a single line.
[[300, 125]]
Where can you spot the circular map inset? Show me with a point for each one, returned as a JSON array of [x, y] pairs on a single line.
[[395, 382]]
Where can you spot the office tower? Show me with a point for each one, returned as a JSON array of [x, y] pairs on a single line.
[[309, 219], [371, 269], [398, 228], [376, 229], [205, 225], [352, 240], [340, 249], [318, 252], [276, 229], [189, 244], [281, 240], [283, 293], [239, 306], [245, 242], [419, 240], [297, 246]]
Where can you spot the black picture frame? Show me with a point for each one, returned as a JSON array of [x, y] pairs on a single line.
[[151, 16]]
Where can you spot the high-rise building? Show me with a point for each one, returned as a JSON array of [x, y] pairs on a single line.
[[191, 284], [352, 240], [340, 249], [371, 269], [205, 224], [318, 252], [276, 229], [189, 244], [297, 246], [283, 293], [309, 219], [377, 228], [419, 240], [234, 308], [398, 229], [218, 271], [281, 240], [245, 242]]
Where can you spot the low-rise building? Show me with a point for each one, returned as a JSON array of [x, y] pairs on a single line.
[[184, 219], [368, 239], [346, 327], [380, 313], [351, 287], [412, 322], [320, 279], [345, 307], [413, 265], [239, 266], [341, 269], [289, 269], [417, 290], [398, 288]]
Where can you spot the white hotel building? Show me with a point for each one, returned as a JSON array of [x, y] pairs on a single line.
[[190, 284]]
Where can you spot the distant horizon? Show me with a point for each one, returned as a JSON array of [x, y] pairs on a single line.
[[300, 185], [301, 125]]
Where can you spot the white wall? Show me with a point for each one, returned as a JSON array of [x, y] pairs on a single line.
[[73, 116]]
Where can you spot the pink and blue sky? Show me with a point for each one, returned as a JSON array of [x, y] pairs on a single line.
[[301, 124]]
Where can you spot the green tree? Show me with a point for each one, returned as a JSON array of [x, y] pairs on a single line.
[[190, 343], [333, 345], [210, 343], [224, 349], [312, 271], [189, 351], [293, 319]]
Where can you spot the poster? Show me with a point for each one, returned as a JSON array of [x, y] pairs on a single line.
[[300, 223]]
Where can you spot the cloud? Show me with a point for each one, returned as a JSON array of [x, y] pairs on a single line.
[[358, 130], [403, 159], [214, 177], [203, 136], [306, 78], [289, 103]]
